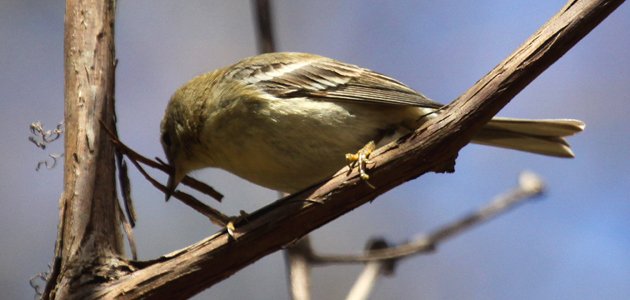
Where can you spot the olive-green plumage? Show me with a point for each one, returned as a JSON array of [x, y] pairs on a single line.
[[285, 120]]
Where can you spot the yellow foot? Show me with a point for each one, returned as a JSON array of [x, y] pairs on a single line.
[[231, 228], [362, 159]]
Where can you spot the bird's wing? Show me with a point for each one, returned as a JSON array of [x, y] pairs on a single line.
[[291, 75]]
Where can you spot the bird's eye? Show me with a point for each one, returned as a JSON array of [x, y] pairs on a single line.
[[166, 139]]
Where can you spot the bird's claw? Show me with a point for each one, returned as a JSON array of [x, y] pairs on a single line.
[[361, 158], [231, 228]]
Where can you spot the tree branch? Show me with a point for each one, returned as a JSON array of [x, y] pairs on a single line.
[[372, 271], [530, 186], [89, 242], [299, 269], [264, 26], [431, 148]]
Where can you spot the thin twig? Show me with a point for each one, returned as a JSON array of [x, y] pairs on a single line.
[[266, 42], [189, 181], [530, 187], [128, 228], [297, 257], [371, 273], [125, 188], [214, 215]]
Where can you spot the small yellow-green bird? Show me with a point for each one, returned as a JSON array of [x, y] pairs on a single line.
[[285, 120]]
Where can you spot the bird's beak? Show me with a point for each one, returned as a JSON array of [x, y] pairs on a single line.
[[173, 181]]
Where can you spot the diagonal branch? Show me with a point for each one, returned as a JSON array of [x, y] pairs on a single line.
[[530, 187], [432, 148], [137, 157]]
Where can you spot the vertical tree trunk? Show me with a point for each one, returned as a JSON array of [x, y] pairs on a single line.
[[89, 231]]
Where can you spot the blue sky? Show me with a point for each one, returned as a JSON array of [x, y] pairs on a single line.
[[574, 244]]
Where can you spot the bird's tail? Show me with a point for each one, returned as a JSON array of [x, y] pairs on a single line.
[[537, 136]]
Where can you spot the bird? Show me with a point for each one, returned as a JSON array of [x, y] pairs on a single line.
[[285, 120]]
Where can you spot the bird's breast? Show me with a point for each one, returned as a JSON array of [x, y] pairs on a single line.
[[289, 144]]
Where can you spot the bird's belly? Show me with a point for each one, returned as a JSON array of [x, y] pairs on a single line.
[[296, 144], [290, 170]]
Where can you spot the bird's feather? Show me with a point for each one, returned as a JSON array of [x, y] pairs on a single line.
[[299, 75]]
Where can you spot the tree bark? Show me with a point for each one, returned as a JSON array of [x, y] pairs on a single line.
[[90, 263], [432, 148], [89, 243]]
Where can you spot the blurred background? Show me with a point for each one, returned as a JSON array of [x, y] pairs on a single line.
[[574, 244]]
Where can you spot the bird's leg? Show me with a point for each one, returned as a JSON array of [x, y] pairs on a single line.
[[361, 158], [230, 227]]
